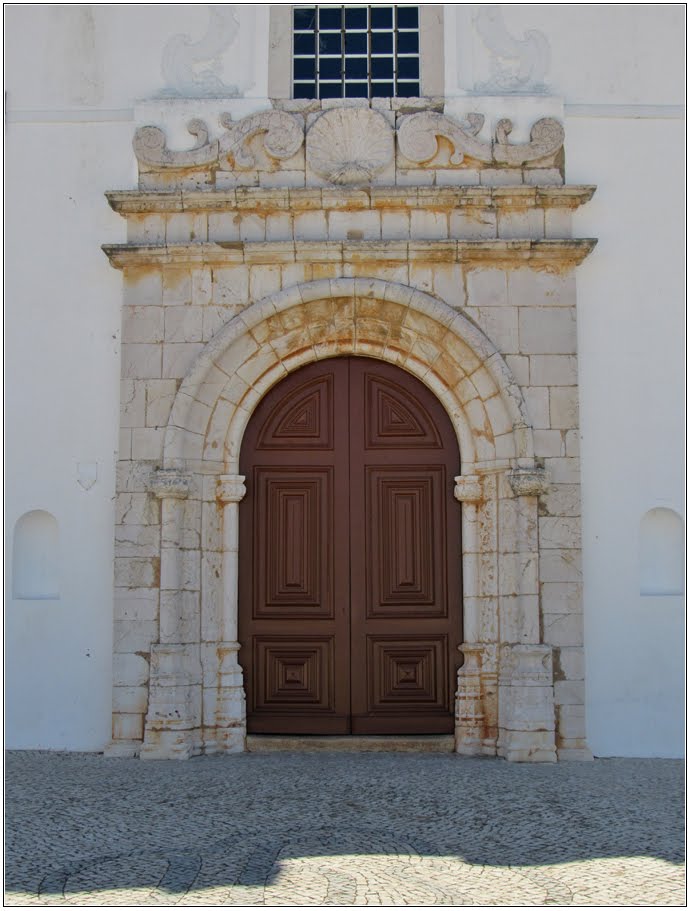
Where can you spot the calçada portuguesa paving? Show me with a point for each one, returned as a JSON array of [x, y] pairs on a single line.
[[342, 829]]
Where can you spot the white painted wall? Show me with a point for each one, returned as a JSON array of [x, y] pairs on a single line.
[[73, 77]]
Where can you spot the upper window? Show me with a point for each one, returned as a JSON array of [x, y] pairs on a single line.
[[356, 51]]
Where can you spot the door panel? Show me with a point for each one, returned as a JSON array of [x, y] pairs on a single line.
[[350, 600]]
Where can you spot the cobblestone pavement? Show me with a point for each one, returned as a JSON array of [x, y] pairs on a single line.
[[342, 829]]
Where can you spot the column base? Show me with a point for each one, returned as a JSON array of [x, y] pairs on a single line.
[[169, 745], [123, 749]]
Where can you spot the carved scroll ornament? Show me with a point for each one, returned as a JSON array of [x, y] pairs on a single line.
[[284, 136], [417, 139]]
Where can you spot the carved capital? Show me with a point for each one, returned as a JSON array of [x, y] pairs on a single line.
[[231, 488], [528, 482], [169, 482], [468, 488]]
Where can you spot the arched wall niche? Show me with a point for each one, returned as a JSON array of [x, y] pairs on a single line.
[[661, 557], [506, 667], [35, 557]]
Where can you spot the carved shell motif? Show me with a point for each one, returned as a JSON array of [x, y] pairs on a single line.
[[349, 145]]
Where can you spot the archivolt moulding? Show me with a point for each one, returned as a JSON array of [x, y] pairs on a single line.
[[334, 317]]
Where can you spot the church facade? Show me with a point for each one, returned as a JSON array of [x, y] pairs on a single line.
[[378, 344]]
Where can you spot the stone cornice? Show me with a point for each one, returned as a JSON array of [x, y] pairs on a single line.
[[258, 199], [548, 254]]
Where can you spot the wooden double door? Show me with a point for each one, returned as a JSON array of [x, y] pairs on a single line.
[[350, 555]]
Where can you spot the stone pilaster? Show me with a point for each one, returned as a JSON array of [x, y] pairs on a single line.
[[230, 701], [174, 715], [526, 704], [476, 701]]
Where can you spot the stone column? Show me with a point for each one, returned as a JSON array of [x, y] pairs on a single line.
[[230, 705], [174, 714], [476, 724]]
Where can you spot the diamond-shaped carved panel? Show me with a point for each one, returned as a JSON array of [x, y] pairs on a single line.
[[395, 418], [407, 671], [303, 420], [296, 673], [294, 538]]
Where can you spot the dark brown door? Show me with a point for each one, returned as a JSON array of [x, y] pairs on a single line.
[[350, 590]]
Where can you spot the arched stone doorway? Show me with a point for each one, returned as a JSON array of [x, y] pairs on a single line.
[[349, 597], [504, 700]]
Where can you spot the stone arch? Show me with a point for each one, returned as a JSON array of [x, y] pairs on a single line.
[[506, 668], [371, 317]]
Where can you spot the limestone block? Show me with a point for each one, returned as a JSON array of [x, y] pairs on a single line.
[[521, 223], [142, 324], [573, 443], [549, 443], [135, 605], [142, 286], [481, 619], [537, 405], [546, 330], [560, 566], [212, 595], [569, 663], [141, 362], [474, 224], [553, 370], [560, 531], [137, 540], [146, 229], [252, 228], [125, 444], [519, 619], [130, 638], [160, 395], [428, 225], [561, 597], [527, 709], [212, 526], [501, 177], [395, 224], [214, 318], [132, 403], [295, 274], [224, 226], [128, 727], [279, 226], [176, 286], [563, 407], [500, 324], [363, 225], [284, 178], [186, 227], [571, 721], [227, 180], [517, 525], [264, 280], [498, 415], [533, 746], [178, 358], [136, 509], [310, 226], [561, 500], [518, 574], [137, 573], [414, 177], [147, 442], [180, 569], [564, 471], [183, 324], [201, 286], [467, 177], [231, 287], [558, 223], [130, 670], [448, 284], [563, 629], [421, 276], [530, 288], [130, 699], [179, 617], [519, 365], [487, 288], [543, 177], [569, 692]]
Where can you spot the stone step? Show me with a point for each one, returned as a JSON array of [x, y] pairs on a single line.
[[431, 743]]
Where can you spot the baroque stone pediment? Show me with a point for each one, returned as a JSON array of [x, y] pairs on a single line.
[[349, 145]]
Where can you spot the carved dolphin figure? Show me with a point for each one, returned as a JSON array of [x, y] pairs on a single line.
[[516, 64]]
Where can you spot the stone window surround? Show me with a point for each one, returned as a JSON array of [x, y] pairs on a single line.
[[431, 50]]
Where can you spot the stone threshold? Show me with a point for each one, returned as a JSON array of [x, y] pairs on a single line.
[[278, 743]]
